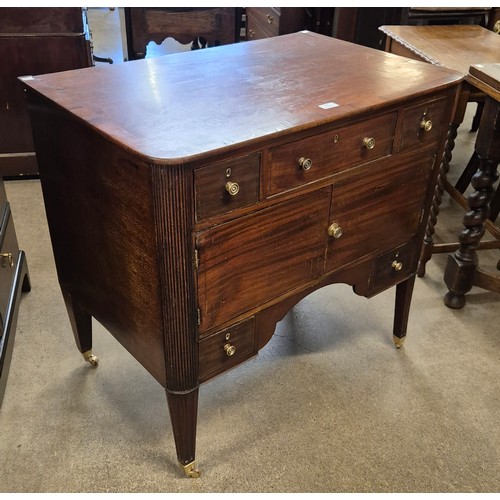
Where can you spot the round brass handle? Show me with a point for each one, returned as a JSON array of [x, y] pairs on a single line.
[[335, 231], [233, 188], [270, 19], [8, 256], [305, 163], [369, 142], [229, 349], [397, 266], [496, 27], [425, 125]]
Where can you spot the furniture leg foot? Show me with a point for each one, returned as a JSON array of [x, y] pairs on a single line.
[[398, 342], [454, 301], [90, 358], [190, 470], [183, 409]]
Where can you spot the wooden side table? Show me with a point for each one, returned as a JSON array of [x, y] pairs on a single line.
[[462, 271], [455, 47]]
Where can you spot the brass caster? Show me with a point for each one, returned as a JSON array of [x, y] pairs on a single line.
[[90, 358], [190, 470], [398, 342]]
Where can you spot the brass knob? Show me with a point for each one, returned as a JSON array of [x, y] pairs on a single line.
[[233, 188], [270, 19], [229, 349], [425, 125], [369, 142], [335, 231], [496, 27], [251, 33], [8, 256], [397, 266], [305, 163]]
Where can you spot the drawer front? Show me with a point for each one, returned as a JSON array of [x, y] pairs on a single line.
[[423, 124], [250, 261], [394, 266], [225, 186], [227, 348], [9, 252], [308, 160], [264, 19], [377, 211]]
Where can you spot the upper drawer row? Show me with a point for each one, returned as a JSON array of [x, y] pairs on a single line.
[[236, 183]]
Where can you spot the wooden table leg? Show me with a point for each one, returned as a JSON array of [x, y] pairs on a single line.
[[462, 271], [183, 408], [404, 292], [81, 324]]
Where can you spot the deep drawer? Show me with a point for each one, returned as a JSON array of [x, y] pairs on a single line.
[[256, 258], [422, 124], [308, 160], [226, 348], [225, 186]]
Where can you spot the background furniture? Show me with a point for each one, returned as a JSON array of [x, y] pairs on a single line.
[[215, 26], [14, 278], [191, 220], [360, 24], [264, 22], [455, 47], [462, 271], [33, 41]]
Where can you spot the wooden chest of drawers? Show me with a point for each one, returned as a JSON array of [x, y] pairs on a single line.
[[13, 278], [264, 22], [193, 200], [33, 41]]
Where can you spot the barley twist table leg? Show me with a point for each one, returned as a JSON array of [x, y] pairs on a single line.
[[428, 245]]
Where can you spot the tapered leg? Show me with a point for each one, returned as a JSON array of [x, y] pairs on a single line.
[[183, 408], [81, 324], [404, 292]]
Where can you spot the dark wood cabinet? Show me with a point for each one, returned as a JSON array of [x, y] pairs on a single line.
[[236, 182], [264, 22], [33, 41], [13, 279]]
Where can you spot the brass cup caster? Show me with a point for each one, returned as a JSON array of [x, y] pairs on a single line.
[[90, 358], [398, 342], [190, 470]]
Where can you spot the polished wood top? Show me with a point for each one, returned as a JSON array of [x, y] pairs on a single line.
[[187, 106], [487, 78], [455, 47]]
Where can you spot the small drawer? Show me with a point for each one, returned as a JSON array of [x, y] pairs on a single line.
[[226, 349], [394, 266], [266, 19], [308, 160], [225, 186], [423, 124]]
